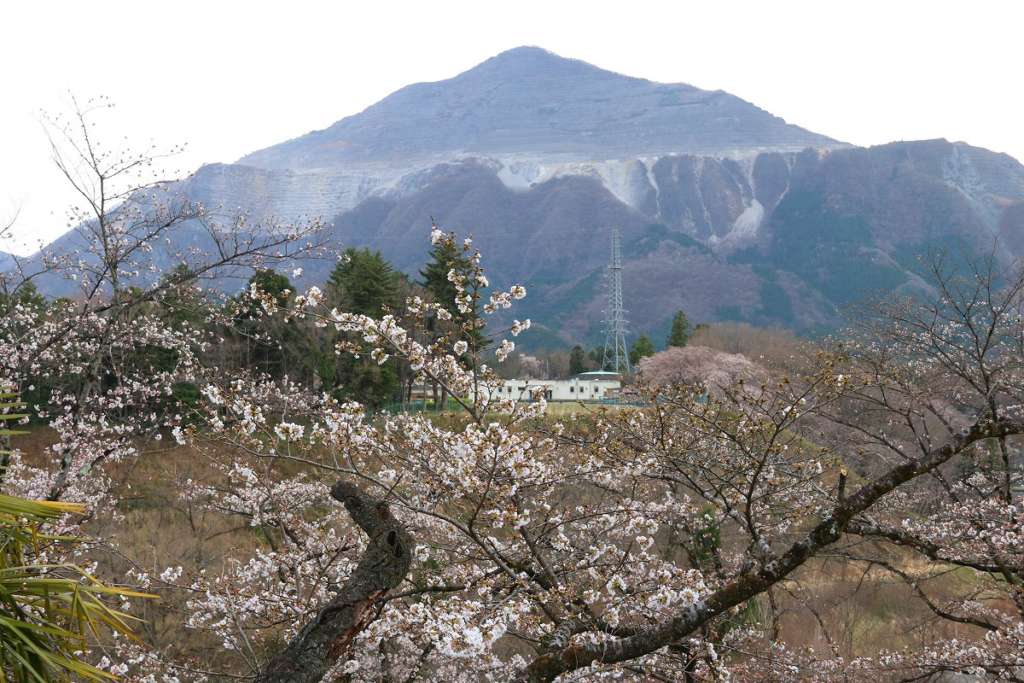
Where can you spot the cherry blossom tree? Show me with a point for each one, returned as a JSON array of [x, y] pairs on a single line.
[[102, 392], [699, 366], [101, 369]]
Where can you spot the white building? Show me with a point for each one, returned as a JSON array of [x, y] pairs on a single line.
[[589, 386]]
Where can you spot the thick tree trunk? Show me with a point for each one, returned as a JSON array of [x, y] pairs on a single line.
[[325, 640]]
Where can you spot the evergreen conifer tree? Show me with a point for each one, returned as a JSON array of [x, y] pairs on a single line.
[[680, 333], [363, 282], [448, 255], [577, 361], [642, 348]]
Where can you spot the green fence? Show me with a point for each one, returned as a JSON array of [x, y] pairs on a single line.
[[421, 407]]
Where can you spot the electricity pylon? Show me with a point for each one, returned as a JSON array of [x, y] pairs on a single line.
[[616, 358]]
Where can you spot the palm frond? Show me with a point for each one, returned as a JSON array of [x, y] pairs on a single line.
[[47, 611]]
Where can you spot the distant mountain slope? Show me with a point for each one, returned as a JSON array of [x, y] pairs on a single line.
[[529, 114], [554, 237], [778, 239], [530, 102]]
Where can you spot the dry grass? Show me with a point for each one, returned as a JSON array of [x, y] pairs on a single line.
[[152, 527]]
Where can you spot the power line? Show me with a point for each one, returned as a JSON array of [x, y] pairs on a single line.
[[615, 356]]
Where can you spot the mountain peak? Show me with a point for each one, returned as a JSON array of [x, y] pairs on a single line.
[[524, 53], [530, 103], [532, 56], [530, 61]]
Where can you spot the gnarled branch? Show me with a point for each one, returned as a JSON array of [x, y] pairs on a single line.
[[323, 641]]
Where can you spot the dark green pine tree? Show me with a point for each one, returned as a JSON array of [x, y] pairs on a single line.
[[263, 340], [365, 283], [27, 296], [269, 281], [446, 256], [642, 348], [577, 360], [443, 258], [680, 333], [180, 305], [267, 340], [180, 301]]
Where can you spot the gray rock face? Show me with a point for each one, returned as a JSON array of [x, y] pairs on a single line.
[[530, 114], [530, 103], [779, 238], [283, 194]]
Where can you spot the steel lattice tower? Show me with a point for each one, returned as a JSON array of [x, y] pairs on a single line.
[[615, 355]]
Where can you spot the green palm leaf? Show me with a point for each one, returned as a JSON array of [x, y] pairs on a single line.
[[47, 611]]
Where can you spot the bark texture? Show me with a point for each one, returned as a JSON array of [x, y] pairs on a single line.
[[324, 641]]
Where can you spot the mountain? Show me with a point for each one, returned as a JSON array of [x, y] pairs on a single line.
[[727, 212], [532, 114], [528, 101]]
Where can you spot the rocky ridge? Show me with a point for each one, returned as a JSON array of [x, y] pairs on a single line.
[[528, 113]]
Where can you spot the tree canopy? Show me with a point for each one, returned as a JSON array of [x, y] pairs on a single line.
[[577, 361], [641, 348], [364, 282], [680, 332]]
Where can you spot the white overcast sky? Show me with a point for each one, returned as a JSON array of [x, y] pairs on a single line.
[[228, 78]]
